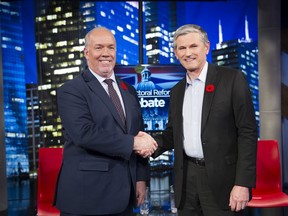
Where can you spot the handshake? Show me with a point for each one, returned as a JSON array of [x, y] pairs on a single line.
[[144, 144]]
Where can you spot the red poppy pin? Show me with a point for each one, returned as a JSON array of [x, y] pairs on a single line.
[[123, 85], [210, 88]]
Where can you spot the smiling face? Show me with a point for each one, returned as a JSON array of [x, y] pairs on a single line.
[[100, 51], [191, 52]]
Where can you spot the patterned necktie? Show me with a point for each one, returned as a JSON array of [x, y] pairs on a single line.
[[115, 99]]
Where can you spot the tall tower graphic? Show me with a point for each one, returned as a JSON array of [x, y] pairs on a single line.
[[247, 38], [160, 22], [240, 54], [33, 124], [15, 114], [59, 44], [218, 45]]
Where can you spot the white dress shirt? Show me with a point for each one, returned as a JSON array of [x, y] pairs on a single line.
[[192, 114]]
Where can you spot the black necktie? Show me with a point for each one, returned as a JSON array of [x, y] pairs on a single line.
[[115, 99]]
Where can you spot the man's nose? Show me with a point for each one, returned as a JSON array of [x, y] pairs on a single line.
[[105, 51], [188, 52]]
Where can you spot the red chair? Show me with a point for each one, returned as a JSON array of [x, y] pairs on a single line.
[[50, 160], [268, 192]]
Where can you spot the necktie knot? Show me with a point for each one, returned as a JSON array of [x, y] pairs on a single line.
[[108, 81]]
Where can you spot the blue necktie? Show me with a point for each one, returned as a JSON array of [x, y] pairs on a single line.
[[115, 99]]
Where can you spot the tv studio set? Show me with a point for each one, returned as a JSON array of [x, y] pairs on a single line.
[[44, 49]]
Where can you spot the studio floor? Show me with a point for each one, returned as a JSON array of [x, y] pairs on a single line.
[[22, 202]]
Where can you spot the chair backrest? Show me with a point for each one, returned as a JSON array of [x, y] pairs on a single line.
[[268, 168], [49, 164]]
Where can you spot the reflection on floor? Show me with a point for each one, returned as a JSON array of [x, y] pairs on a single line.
[[22, 199]]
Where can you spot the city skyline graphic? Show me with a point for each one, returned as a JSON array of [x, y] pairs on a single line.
[[47, 45]]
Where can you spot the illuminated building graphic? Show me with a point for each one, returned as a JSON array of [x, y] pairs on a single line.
[[240, 54], [15, 114], [33, 123], [160, 22], [122, 19], [59, 44]]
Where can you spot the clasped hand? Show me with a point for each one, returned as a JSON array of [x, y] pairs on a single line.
[[144, 144]]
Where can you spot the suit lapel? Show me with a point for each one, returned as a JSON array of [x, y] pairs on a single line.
[[98, 89], [212, 80], [179, 105], [180, 95], [127, 103]]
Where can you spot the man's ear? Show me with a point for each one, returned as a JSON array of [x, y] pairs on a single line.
[[207, 47], [176, 55], [85, 51]]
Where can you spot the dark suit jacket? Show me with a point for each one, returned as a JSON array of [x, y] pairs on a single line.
[[228, 133], [99, 167]]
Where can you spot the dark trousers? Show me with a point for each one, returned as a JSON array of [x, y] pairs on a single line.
[[128, 212], [197, 197]]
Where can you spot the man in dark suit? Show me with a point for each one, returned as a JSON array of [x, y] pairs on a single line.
[[101, 173], [213, 132]]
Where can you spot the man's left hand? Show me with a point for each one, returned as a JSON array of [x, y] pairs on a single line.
[[239, 198]]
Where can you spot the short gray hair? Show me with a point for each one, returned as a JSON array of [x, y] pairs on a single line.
[[190, 28]]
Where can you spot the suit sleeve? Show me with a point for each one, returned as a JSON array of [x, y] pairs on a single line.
[[247, 132]]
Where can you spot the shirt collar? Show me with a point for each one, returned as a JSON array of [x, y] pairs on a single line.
[[100, 78], [202, 76]]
